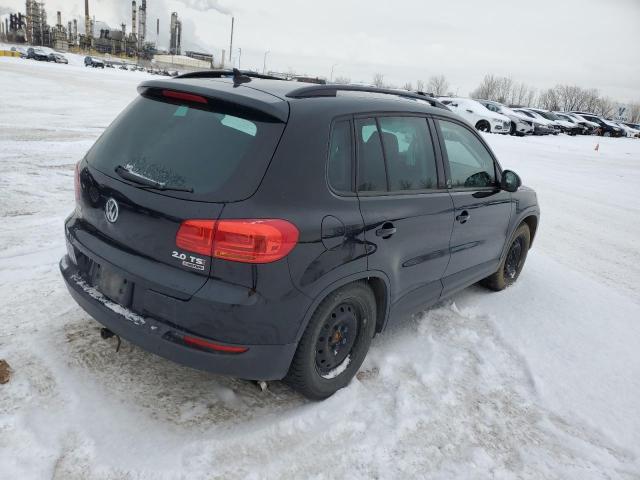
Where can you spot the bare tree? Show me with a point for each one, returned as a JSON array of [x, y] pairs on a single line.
[[408, 86], [634, 112], [488, 89], [378, 80], [549, 99], [419, 85], [605, 106], [342, 80], [438, 85]]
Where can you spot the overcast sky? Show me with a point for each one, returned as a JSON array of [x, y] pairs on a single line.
[[591, 43]]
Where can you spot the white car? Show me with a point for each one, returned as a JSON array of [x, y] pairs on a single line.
[[550, 124], [562, 125], [478, 115], [630, 131], [520, 123]]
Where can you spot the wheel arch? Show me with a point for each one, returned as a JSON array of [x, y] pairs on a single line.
[[377, 281], [532, 223]]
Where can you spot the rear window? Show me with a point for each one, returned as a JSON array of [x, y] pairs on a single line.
[[221, 155]]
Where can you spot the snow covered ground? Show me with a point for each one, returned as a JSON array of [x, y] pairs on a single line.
[[539, 381]]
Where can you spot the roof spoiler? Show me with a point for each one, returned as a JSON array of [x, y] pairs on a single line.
[[253, 102]]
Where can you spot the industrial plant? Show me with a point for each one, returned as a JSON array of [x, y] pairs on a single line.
[[33, 28]]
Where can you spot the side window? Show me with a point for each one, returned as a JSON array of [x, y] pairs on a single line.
[[470, 163], [339, 168], [409, 155], [372, 176]]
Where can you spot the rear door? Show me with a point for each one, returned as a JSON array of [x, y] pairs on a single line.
[[182, 159], [482, 209], [406, 208]]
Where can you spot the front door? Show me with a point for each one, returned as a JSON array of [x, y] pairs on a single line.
[[482, 209]]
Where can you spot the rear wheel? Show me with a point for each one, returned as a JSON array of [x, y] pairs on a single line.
[[513, 262], [483, 126], [334, 343]]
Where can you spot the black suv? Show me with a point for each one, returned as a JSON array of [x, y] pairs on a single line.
[[269, 229]]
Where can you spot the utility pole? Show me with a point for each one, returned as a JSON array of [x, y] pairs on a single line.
[[231, 43], [332, 67], [239, 57], [264, 65]]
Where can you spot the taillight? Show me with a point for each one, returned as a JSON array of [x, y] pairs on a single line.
[[196, 236], [248, 241], [76, 181], [187, 97]]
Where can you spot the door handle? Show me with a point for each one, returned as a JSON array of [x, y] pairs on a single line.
[[463, 217], [386, 230]]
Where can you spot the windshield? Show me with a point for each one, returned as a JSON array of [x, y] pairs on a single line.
[[213, 154]]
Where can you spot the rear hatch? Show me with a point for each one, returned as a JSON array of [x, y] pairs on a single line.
[[171, 156]]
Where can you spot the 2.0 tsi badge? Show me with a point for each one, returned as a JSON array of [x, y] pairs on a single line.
[[111, 210]]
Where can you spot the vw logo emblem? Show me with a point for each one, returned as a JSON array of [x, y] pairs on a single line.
[[111, 210]]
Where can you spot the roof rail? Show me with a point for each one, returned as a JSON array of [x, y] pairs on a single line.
[[332, 91], [224, 73]]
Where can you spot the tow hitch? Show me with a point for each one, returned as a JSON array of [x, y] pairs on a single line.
[[105, 334]]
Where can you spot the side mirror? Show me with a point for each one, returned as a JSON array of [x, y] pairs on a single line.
[[510, 181]]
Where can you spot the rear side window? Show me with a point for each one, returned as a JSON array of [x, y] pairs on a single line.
[[339, 169], [372, 175], [410, 159], [220, 154], [470, 164]]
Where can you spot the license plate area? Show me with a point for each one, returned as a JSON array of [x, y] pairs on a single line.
[[111, 284]]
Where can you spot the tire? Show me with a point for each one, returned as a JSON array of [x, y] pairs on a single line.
[[483, 126], [508, 272], [352, 306]]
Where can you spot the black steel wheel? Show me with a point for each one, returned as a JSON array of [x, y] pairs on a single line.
[[513, 261], [335, 342], [337, 337]]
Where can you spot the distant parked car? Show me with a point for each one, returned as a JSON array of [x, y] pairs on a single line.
[[629, 131], [109, 65], [478, 115], [566, 126], [123, 67], [541, 125], [93, 62], [605, 127], [37, 54], [635, 126], [589, 127], [57, 58], [519, 124]]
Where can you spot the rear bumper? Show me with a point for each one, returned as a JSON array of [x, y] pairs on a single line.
[[259, 362]]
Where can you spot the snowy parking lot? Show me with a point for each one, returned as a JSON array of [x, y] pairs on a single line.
[[541, 380]]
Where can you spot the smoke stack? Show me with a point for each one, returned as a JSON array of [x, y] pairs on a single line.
[[157, 27], [59, 19], [69, 32], [87, 22], [133, 17], [75, 29]]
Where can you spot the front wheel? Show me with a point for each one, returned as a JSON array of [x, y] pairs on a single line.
[[334, 343], [483, 126], [513, 262]]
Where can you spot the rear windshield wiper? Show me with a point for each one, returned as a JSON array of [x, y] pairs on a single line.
[[147, 182]]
